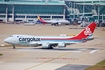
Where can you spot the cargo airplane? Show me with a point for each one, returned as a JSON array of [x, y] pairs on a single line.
[[54, 21], [48, 42]]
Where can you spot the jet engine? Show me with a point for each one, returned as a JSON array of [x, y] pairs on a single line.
[[61, 45]]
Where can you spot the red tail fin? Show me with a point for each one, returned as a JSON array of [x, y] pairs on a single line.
[[86, 32], [41, 20]]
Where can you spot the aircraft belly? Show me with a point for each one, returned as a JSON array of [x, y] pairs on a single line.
[[65, 41]]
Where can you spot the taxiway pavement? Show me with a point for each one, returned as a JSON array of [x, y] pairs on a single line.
[[72, 57]]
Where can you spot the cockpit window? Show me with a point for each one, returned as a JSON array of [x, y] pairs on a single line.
[[17, 36], [11, 36]]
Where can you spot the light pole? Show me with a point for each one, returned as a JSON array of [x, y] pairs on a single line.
[[98, 13], [83, 7], [74, 9], [71, 8]]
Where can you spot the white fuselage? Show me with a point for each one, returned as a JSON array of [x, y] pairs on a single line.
[[39, 40], [62, 21]]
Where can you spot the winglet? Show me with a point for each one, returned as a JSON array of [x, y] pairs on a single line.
[[86, 32]]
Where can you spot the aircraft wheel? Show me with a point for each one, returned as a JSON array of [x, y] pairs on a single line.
[[13, 46], [50, 47]]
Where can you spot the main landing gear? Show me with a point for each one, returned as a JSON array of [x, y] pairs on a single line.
[[13, 46]]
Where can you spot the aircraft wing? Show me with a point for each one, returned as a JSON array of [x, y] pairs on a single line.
[[48, 44], [53, 42]]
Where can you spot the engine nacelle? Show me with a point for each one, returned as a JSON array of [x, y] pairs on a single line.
[[45, 45], [61, 45]]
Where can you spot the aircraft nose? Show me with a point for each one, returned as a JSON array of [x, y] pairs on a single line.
[[6, 40]]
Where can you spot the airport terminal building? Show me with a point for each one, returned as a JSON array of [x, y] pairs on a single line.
[[29, 10], [93, 9]]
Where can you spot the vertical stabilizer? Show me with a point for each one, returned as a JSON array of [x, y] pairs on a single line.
[[41, 20], [86, 32]]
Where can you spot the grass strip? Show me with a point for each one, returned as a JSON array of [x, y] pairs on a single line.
[[98, 66], [1, 54]]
